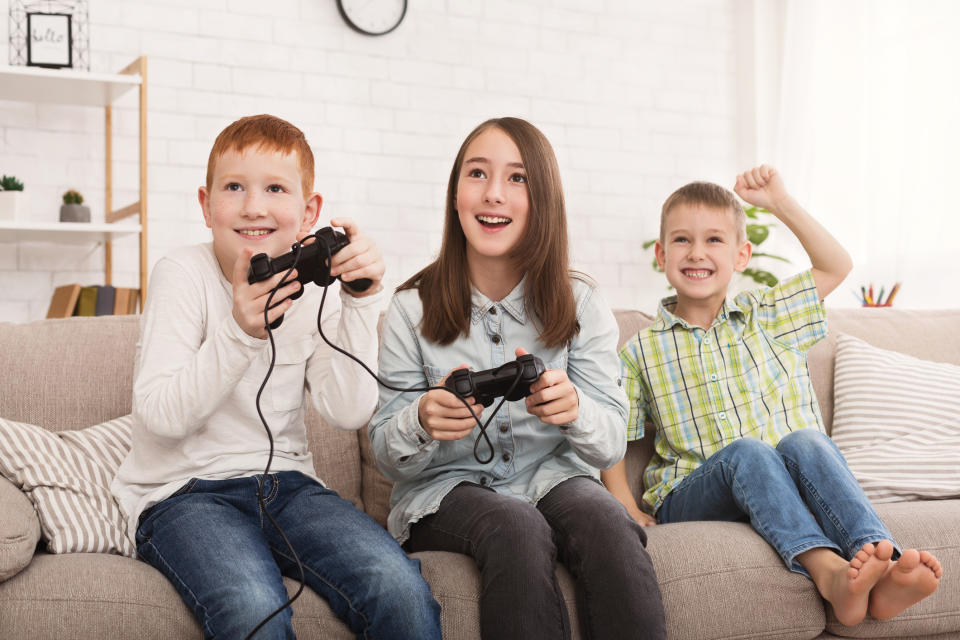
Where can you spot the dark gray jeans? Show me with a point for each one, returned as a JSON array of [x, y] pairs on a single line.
[[516, 546]]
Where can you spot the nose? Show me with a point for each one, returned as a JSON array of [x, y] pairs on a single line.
[[253, 205], [697, 251], [493, 193]]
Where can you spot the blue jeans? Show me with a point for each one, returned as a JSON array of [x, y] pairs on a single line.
[[516, 547], [799, 495], [211, 540]]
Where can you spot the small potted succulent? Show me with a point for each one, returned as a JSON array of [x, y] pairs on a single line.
[[13, 202], [73, 209]]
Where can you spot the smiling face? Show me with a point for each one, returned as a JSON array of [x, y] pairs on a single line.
[[700, 252], [256, 200], [491, 198]]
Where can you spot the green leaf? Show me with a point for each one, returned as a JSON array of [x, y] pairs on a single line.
[[759, 254], [650, 243], [761, 277], [757, 233]]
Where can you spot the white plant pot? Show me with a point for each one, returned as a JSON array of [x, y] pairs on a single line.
[[13, 205]]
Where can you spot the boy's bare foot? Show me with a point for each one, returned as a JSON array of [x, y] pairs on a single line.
[[846, 585], [908, 581]]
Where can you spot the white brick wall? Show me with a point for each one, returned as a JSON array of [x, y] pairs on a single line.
[[636, 96]]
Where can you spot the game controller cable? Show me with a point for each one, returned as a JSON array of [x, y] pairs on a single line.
[[296, 250]]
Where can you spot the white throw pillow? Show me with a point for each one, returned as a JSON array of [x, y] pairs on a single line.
[[897, 421], [67, 476]]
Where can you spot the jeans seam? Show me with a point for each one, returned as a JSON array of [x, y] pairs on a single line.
[[347, 599], [819, 500], [199, 606]]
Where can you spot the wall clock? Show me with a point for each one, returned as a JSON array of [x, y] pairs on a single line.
[[373, 17]]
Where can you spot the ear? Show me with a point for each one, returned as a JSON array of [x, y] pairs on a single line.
[[204, 197], [311, 212], [661, 255], [743, 257]]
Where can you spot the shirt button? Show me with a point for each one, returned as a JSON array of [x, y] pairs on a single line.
[[495, 338], [504, 428], [493, 311], [713, 377], [506, 457], [706, 340], [484, 482], [723, 416]]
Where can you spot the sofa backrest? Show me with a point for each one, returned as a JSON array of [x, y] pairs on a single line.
[[77, 372], [926, 334]]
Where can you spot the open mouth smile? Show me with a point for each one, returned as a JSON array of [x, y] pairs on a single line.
[[493, 223], [697, 274], [254, 234]]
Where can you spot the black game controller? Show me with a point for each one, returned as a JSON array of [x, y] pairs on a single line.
[[311, 265], [486, 386]]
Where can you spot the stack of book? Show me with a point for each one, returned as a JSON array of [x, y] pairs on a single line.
[[102, 300]]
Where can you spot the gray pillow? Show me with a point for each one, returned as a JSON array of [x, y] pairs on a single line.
[[19, 530]]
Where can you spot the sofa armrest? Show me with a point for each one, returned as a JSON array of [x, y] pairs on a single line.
[[19, 529]]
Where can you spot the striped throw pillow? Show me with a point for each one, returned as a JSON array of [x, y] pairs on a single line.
[[67, 476], [897, 421]]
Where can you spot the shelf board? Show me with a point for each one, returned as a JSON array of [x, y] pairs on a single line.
[[67, 232], [64, 86]]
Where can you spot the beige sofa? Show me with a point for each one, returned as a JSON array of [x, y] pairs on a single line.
[[719, 580]]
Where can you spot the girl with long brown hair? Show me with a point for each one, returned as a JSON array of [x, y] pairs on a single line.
[[500, 288]]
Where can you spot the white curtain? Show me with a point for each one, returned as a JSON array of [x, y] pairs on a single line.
[[857, 102]]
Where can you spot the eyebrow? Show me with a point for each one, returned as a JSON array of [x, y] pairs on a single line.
[[482, 160], [708, 231]]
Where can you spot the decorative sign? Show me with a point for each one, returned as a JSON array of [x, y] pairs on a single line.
[[50, 33], [49, 40]]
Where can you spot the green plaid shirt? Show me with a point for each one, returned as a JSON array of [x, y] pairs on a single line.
[[744, 377]]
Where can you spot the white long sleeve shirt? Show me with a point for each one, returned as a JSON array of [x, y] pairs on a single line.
[[197, 375]]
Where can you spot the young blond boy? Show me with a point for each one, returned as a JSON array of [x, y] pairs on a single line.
[[189, 484], [738, 429]]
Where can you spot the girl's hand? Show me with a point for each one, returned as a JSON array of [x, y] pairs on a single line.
[[249, 300], [762, 187], [444, 416], [359, 259], [552, 398]]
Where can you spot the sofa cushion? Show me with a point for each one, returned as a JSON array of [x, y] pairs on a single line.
[[19, 530], [931, 526], [897, 421], [67, 476], [68, 372], [700, 565]]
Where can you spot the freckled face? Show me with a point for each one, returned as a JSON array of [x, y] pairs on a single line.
[[256, 200]]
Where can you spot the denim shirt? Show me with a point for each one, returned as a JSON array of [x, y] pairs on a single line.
[[530, 457]]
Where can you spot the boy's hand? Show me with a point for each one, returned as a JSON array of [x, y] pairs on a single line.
[[643, 518], [249, 300], [444, 416], [359, 259], [552, 398], [762, 187]]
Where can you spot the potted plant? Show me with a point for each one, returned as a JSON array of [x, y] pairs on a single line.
[[73, 209], [13, 202], [757, 232]]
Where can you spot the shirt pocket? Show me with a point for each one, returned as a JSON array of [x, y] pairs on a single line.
[[289, 374], [757, 368], [433, 374]]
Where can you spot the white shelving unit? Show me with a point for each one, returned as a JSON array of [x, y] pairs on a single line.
[[79, 88]]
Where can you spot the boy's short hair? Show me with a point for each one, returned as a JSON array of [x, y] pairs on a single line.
[[264, 133], [707, 194]]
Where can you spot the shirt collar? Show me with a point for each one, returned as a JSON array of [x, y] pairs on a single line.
[[512, 303], [666, 319]]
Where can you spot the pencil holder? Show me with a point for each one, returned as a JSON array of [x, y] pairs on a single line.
[[874, 297]]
